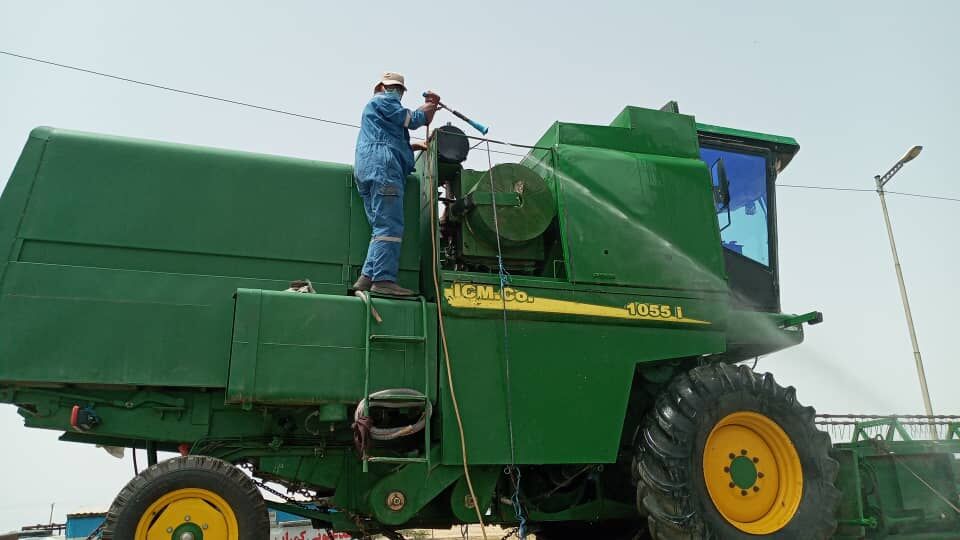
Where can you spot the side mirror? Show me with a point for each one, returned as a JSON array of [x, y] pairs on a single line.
[[721, 191]]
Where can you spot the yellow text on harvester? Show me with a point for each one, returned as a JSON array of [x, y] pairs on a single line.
[[481, 296]]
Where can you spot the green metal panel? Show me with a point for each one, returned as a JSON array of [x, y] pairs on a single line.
[[663, 133], [638, 219], [894, 486], [141, 263], [16, 194], [106, 326], [883, 498], [100, 190], [131, 416], [479, 241], [641, 188], [520, 218], [569, 375], [159, 206], [125, 254], [292, 348]]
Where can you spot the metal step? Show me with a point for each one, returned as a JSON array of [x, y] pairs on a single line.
[[384, 459], [397, 398], [397, 339]]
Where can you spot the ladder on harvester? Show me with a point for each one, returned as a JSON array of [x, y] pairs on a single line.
[[389, 396]]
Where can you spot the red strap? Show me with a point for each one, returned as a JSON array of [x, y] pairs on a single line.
[[74, 413], [361, 435]]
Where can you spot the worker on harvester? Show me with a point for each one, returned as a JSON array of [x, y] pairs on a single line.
[[384, 158]]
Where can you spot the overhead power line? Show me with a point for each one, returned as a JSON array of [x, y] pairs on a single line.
[[217, 98], [347, 124], [865, 190], [825, 188], [924, 196], [178, 90]]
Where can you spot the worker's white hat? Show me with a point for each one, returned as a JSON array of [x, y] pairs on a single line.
[[391, 78]]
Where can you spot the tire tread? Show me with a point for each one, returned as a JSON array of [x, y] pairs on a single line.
[[665, 446], [256, 517]]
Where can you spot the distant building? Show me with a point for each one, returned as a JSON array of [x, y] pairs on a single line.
[[81, 525], [52, 531], [284, 526]]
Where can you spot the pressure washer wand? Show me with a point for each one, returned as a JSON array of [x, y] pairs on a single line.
[[476, 125]]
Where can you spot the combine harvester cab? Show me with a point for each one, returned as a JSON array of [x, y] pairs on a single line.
[[577, 347]]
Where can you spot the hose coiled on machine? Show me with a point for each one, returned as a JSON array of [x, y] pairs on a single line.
[[389, 434]]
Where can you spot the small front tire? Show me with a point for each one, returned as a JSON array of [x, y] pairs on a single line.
[[190, 497]]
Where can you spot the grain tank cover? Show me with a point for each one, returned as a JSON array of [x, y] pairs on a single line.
[[525, 205], [637, 202]]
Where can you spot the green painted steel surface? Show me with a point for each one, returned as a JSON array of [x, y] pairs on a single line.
[[659, 132], [320, 338], [517, 222], [563, 369], [144, 281], [636, 205], [478, 239], [131, 250], [898, 488]]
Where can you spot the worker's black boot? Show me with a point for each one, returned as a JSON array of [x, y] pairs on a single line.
[[389, 288], [362, 284]]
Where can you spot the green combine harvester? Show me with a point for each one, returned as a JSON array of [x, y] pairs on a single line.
[[577, 363]]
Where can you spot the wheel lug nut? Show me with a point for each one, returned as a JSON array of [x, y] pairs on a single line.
[[726, 469], [732, 455], [186, 518], [743, 492], [743, 452], [756, 460], [169, 529], [755, 489], [759, 475], [732, 484]]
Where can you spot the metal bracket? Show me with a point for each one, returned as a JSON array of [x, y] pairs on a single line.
[[485, 198], [812, 318], [868, 522], [893, 426]]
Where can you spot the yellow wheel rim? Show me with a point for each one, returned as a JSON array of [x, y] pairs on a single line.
[[188, 514], [753, 473]]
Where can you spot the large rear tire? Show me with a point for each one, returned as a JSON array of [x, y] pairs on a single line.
[[727, 453], [193, 497]]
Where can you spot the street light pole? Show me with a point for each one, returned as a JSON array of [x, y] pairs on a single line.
[[881, 182]]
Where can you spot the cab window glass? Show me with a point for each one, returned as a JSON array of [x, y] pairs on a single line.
[[744, 227]]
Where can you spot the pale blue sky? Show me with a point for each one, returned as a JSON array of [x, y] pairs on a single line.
[[855, 82]]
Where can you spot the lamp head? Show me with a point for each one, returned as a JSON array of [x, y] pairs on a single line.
[[911, 154]]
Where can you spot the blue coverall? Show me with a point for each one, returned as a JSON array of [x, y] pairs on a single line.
[[382, 162]]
